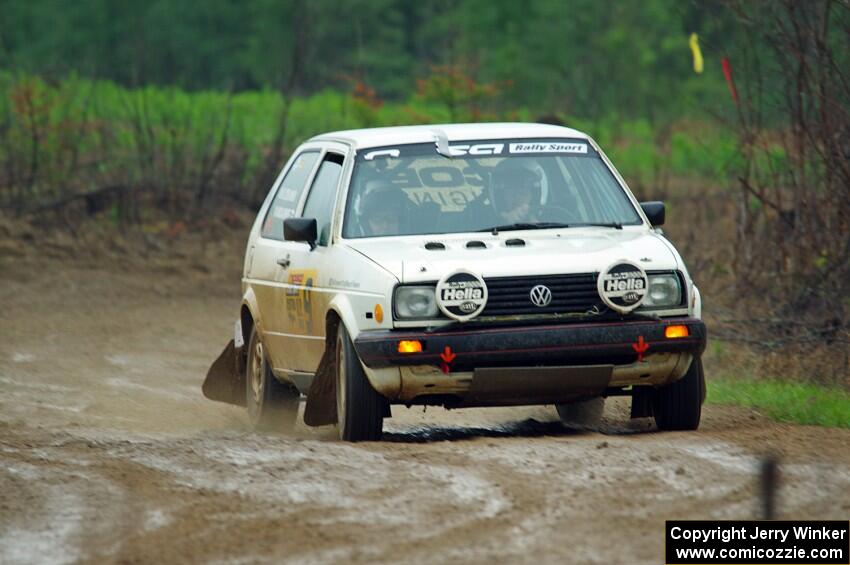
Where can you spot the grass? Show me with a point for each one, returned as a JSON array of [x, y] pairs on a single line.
[[798, 403]]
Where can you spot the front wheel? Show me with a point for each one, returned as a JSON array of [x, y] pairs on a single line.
[[678, 406], [272, 405], [359, 407]]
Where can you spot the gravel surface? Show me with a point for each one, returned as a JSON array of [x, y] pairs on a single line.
[[109, 452]]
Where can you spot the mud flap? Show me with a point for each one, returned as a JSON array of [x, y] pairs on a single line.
[[320, 409], [642, 401], [225, 380]]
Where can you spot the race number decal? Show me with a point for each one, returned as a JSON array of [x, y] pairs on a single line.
[[461, 295], [622, 286], [450, 185]]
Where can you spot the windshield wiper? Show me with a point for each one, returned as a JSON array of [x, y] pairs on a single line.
[[525, 226], [615, 225]]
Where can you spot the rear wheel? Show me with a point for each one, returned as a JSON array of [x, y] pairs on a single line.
[[583, 413], [678, 406], [272, 405], [360, 408]]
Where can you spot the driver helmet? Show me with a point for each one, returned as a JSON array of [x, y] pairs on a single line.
[[514, 184], [383, 209]]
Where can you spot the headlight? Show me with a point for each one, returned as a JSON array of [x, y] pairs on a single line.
[[416, 302], [664, 290]]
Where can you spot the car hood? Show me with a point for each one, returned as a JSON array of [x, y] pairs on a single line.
[[574, 250]]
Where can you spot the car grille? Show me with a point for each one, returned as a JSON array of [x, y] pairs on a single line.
[[571, 294]]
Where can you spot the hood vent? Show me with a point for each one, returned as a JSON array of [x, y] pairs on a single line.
[[515, 242], [475, 244], [435, 246]]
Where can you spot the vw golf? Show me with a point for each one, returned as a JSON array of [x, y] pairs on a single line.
[[459, 265]]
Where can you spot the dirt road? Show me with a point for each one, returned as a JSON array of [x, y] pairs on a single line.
[[108, 451]]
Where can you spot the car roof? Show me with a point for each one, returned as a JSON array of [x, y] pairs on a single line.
[[401, 135]]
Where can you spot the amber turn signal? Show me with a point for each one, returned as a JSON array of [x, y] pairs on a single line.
[[672, 332], [379, 313], [410, 346]]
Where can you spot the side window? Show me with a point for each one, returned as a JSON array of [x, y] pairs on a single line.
[[320, 200], [288, 195]]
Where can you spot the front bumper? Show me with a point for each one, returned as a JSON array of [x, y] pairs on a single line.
[[549, 345], [469, 366]]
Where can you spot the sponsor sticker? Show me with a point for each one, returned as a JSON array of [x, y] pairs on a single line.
[[289, 194], [301, 309], [622, 286], [480, 149], [548, 147], [343, 283], [461, 295], [282, 212], [394, 153]]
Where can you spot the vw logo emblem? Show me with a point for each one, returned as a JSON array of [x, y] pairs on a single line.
[[541, 295]]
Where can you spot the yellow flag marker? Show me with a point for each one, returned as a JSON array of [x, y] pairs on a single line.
[[694, 43]]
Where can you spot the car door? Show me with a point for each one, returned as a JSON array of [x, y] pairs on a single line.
[[269, 258], [307, 293]]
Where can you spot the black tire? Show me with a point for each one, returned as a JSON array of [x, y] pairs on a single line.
[[271, 404], [360, 408], [585, 413], [678, 406]]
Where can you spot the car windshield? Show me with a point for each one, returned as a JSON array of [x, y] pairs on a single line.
[[484, 185]]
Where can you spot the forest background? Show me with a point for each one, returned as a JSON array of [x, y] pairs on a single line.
[[150, 120]]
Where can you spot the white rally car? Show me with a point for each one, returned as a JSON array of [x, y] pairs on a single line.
[[459, 265]]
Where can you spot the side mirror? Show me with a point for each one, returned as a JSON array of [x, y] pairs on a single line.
[[301, 229], [654, 212]]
